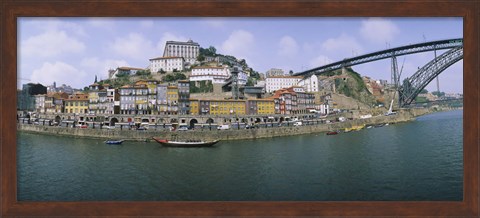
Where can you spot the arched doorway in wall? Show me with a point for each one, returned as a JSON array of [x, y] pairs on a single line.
[[192, 123], [174, 123], [57, 119], [113, 121], [258, 120], [210, 121], [145, 120]]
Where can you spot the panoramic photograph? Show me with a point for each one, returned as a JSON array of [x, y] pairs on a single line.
[[240, 109]]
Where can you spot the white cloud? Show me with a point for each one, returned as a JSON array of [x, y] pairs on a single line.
[[215, 22], [50, 44], [133, 46], [100, 67], [238, 44], [61, 73], [342, 46], [146, 24], [102, 22], [288, 46], [320, 61], [379, 30], [168, 36]]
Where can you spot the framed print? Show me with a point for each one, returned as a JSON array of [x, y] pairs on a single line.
[[226, 108]]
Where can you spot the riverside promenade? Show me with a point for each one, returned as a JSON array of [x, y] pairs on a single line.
[[308, 127]]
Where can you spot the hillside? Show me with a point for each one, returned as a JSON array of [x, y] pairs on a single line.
[[349, 83]]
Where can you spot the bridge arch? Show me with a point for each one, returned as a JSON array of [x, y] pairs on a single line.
[[413, 85]]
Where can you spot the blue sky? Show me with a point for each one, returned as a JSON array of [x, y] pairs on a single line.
[[73, 50]]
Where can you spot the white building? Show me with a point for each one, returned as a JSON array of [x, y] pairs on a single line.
[[217, 75], [310, 84], [278, 82], [188, 50], [167, 64], [124, 70]]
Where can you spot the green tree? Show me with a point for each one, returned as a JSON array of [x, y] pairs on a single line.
[[439, 94], [290, 72], [250, 81], [212, 50], [424, 91], [95, 79]]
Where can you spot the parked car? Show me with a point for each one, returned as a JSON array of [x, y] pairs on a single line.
[[223, 127], [183, 128], [83, 126], [109, 127], [298, 123], [142, 128]]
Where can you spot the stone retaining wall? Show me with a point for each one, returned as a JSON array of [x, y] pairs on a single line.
[[402, 116]]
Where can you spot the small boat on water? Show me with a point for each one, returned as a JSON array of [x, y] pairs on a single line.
[[187, 143], [332, 133], [114, 142], [355, 128]]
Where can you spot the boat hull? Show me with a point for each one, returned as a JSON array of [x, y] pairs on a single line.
[[167, 143], [114, 142]]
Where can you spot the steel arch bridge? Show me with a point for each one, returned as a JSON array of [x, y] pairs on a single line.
[[419, 80], [413, 85]]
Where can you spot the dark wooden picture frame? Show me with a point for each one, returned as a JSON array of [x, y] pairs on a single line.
[[11, 10]]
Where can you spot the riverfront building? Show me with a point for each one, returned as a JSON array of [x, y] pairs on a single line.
[[77, 103], [260, 106], [188, 50], [166, 64], [26, 97], [183, 97], [226, 107]]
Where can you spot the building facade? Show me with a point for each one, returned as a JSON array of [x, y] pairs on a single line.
[[278, 82], [217, 75], [183, 96], [77, 103], [188, 50], [274, 72], [26, 97], [166, 64], [123, 71], [310, 84]]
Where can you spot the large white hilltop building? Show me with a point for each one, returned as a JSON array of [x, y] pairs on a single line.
[[188, 50], [167, 64], [274, 72], [278, 82]]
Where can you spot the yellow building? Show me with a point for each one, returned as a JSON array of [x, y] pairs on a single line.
[[77, 103], [194, 107], [172, 99], [227, 107], [265, 106]]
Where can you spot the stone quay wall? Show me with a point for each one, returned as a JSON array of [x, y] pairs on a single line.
[[232, 134]]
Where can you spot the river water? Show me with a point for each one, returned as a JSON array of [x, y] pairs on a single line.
[[419, 160]]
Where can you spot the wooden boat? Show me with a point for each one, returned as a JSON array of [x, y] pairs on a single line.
[[332, 133], [188, 143], [114, 142]]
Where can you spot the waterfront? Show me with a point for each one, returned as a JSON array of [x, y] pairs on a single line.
[[420, 160]]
